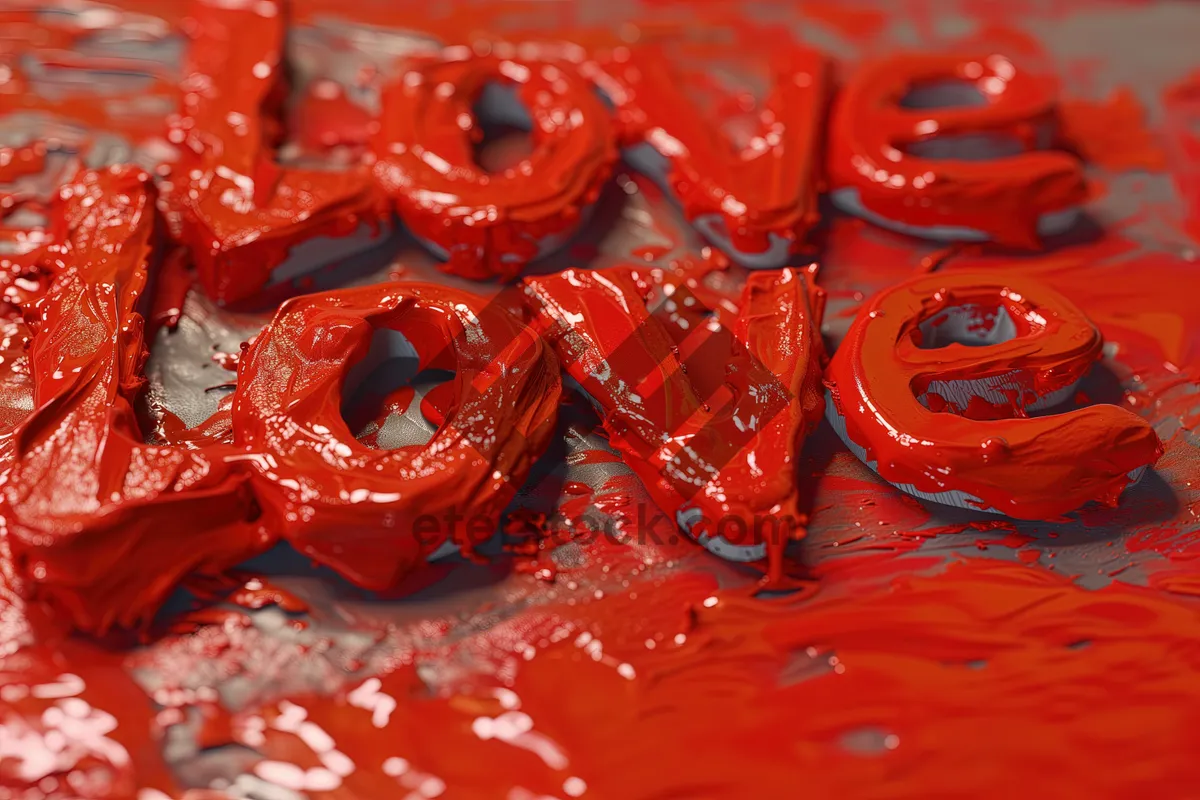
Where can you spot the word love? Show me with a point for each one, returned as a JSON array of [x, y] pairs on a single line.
[[947, 147]]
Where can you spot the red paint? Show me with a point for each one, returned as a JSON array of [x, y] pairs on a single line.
[[227, 361], [173, 282], [891, 685], [764, 189], [359, 416], [1182, 104], [437, 402], [74, 725], [871, 135], [374, 515], [1155, 340], [16, 384], [239, 212], [325, 118], [492, 224], [1111, 133], [101, 525], [1029, 468], [257, 593], [34, 41], [726, 450]]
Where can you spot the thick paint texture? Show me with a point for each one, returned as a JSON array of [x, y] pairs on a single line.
[[720, 458], [101, 525], [915, 660], [482, 223], [240, 212], [754, 200], [899, 385], [375, 514], [953, 147]]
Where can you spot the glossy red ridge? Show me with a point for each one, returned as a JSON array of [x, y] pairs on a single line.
[[760, 192]]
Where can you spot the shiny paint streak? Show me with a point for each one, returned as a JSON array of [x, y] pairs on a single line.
[[492, 224], [874, 140], [761, 191]]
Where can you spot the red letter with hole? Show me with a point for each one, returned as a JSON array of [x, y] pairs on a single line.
[[953, 148], [933, 382]]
